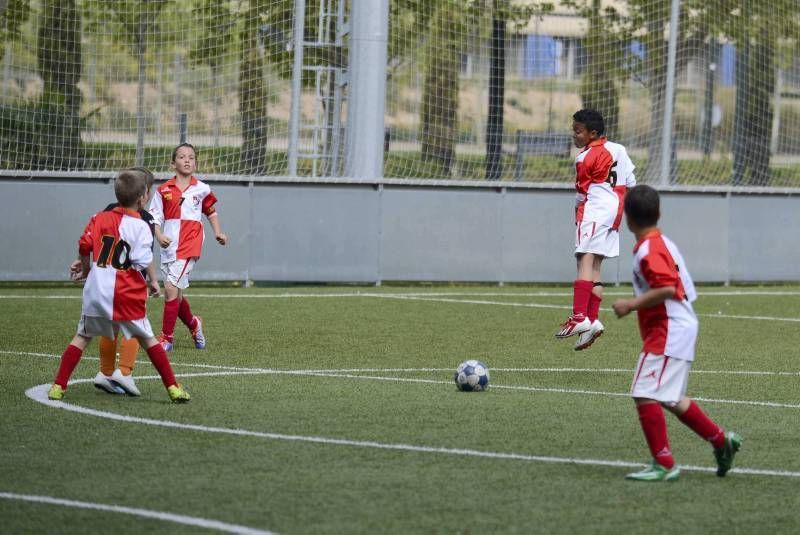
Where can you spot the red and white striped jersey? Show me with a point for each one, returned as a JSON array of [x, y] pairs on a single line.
[[669, 328], [179, 214], [603, 173], [120, 244]]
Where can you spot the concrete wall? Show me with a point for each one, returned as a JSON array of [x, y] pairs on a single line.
[[397, 230]]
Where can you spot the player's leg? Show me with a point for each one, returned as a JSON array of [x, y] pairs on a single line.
[[587, 338], [581, 289], [654, 427], [128, 349], [725, 444], [69, 360], [658, 379], [108, 359], [141, 330], [171, 306], [127, 356], [176, 279], [192, 322]]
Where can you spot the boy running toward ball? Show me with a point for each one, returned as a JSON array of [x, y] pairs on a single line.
[[663, 296]]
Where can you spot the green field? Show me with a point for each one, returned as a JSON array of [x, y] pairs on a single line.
[[332, 410]]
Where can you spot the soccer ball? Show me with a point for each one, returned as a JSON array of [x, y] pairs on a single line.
[[472, 375]]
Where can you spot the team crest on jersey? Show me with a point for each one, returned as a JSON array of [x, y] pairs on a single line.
[[167, 195], [196, 200]]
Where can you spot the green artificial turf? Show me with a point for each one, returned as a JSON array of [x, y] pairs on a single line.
[[332, 410]]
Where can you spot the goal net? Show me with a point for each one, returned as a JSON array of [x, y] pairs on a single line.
[[705, 94]]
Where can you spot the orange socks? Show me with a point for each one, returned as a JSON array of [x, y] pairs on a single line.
[[108, 355], [127, 355]]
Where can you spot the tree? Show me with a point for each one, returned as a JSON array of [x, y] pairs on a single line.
[[759, 30], [612, 31], [439, 114], [252, 92], [214, 20], [59, 62], [598, 85], [13, 14], [497, 79], [133, 23]]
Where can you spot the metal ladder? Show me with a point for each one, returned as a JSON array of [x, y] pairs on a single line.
[[320, 138]]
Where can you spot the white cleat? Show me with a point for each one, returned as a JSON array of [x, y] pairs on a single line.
[[573, 326], [587, 338], [125, 382], [103, 382]]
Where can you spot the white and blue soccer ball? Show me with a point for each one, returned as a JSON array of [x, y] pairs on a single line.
[[472, 376]]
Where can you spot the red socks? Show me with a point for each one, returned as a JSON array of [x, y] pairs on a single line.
[[581, 292], [170, 317], [593, 311], [185, 314], [654, 425], [161, 362], [69, 359], [696, 420]]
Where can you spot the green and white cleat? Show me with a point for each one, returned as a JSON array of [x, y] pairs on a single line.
[[725, 454], [56, 393], [177, 394], [655, 472]]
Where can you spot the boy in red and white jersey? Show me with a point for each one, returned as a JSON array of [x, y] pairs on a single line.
[[664, 293], [114, 248], [603, 173], [178, 207]]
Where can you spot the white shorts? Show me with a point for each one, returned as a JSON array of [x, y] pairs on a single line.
[[660, 378], [177, 272], [91, 326], [591, 237]]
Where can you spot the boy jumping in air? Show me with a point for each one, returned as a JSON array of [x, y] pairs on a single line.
[[664, 293], [603, 173]]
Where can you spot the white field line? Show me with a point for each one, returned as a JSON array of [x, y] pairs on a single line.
[[355, 373], [39, 394], [291, 295], [146, 513], [415, 370], [427, 297]]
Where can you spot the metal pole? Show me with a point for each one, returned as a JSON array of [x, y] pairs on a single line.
[[776, 119], [666, 136], [297, 83], [183, 127], [368, 53]]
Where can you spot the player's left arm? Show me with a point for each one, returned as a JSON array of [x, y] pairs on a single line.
[[651, 298], [662, 276], [213, 217]]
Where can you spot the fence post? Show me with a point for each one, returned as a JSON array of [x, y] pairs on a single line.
[[369, 20], [666, 136], [183, 127], [297, 83]]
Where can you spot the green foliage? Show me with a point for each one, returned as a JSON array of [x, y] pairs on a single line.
[[60, 61], [14, 15], [27, 139], [215, 24]]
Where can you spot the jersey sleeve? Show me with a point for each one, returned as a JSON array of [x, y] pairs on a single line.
[[156, 209], [142, 248], [659, 270], [86, 241], [208, 203], [625, 169]]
